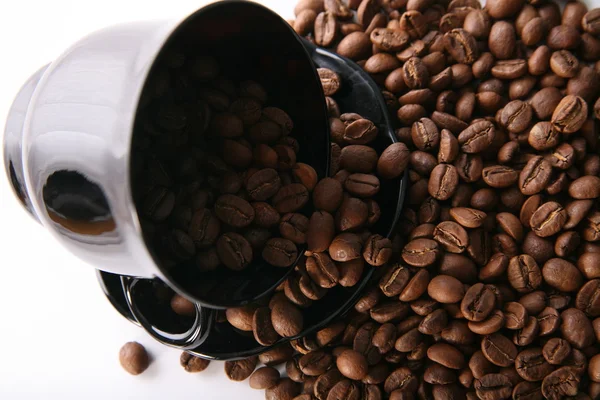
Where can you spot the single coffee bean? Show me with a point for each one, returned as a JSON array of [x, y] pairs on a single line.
[[477, 137], [425, 134], [516, 116], [515, 315], [526, 335], [325, 382], [287, 320], [461, 45], [401, 379], [468, 217], [320, 232], [556, 350], [345, 247], [446, 355], [564, 64], [322, 270], [545, 101], [443, 182], [182, 306], [234, 251], [362, 185], [446, 289], [293, 227], [290, 198], [280, 252], [449, 147], [133, 358], [562, 275], [560, 383], [264, 378], [499, 350], [361, 131], [416, 75], [330, 80], [509, 69], [345, 389], [327, 195], [263, 330], [479, 301], [499, 176], [570, 114], [493, 386], [548, 219], [451, 236], [285, 389], [377, 250], [352, 364], [358, 158], [352, 214], [158, 204], [588, 298], [240, 370], [576, 328], [535, 176], [393, 161], [234, 211], [193, 364], [421, 252], [524, 274], [586, 187], [389, 39], [549, 321], [315, 363], [204, 228]]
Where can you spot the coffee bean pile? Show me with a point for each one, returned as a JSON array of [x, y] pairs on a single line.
[[339, 242], [492, 286], [216, 177]]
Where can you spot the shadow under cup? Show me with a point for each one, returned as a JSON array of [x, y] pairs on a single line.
[[250, 44]]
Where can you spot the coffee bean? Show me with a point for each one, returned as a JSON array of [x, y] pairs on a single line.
[[556, 350], [182, 306], [263, 328], [133, 358], [287, 320], [327, 195], [493, 323], [234, 251], [477, 137], [451, 236], [264, 378], [361, 131], [377, 250], [325, 382], [576, 328], [401, 379], [588, 298], [285, 389], [446, 355], [570, 114], [389, 39], [344, 390], [461, 45], [290, 198], [280, 252], [204, 228], [443, 181], [548, 219], [425, 134], [446, 289], [562, 382], [320, 232], [393, 161], [240, 370], [586, 187], [421, 252], [293, 227], [479, 301], [562, 275], [345, 247], [362, 185], [524, 274], [499, 350], [493, 386], [193, 364], [352, 364]]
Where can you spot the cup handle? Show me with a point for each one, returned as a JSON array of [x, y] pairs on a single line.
[[192, 337]]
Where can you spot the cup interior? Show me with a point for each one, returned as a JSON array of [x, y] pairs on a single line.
[[250, 42]]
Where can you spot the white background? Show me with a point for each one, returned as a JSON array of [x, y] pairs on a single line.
[[59, 336]]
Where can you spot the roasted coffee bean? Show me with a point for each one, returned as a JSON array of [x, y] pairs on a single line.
[[556, 350], [134, 358], [362, 185], [468, 217], [515, 315], [493, 386], [361, 131], [451, 236], [562, 275], [548, 219], [352, 364], [570, 114], [499, 176], [446, 289], [263, 328], [477, 137], [287, 320], [493, 323], [586, 187], [461, 45], [401, 379], [526, 335], [443, 181], [425, 134], [560, 383], [588, 298], [280, 252], [524, 274], [393, 161], [345, 247], [479, 301], [193, 364], [516, 116], [377, 250], [285, 389], [421, 252], [240, 370], [234, 251], [293, 227], [576, 328], [320, 232], [499, 350]]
